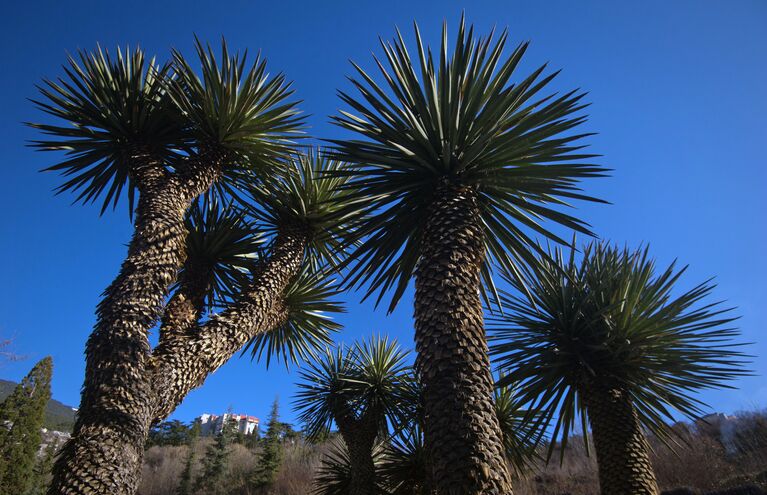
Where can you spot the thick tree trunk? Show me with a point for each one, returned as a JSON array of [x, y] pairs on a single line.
[[461, 427], [106, 449], [359, 435], [180, 365], [623, 454]]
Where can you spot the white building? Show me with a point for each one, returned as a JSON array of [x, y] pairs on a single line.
[[212, 424]]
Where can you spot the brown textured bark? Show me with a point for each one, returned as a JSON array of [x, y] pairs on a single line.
[[623, 454], [186, 306], [180, 365], [461, 427], [106, 449], [359, 435]]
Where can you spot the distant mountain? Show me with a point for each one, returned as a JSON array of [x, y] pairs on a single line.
[[58, 416]]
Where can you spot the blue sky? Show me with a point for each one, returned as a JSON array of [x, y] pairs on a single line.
[[678, 101]]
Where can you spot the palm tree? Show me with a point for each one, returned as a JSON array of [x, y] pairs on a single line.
[[362, 390], [457, 167], [606, 340], [131, 125], [281, 305]]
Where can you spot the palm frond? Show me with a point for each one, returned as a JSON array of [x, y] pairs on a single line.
[[612, 319], [236, 108], [112, 108], [521, 436], [224, 242], [323, 384], [457, 118], [405, 467], [370, 377], [334, 473], [382, 380], [306, 191]]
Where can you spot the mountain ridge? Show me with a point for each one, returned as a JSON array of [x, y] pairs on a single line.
[[58, 416]]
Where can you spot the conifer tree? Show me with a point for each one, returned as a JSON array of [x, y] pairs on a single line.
[[21, 415], [42, 473], [271, 456], [185, 485], [216, 460]]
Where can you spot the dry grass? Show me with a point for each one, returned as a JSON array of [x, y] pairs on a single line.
[[701, 462], [162, 470]]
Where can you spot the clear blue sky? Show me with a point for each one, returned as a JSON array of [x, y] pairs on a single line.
[[678, 92]]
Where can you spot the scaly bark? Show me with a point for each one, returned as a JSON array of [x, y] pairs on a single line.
[[461, 427], [623, 454], [186, 306], [359, 435], [107, 445], [180, 365]]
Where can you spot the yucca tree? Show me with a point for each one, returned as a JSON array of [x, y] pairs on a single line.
[[281, 304], [362, 389], [222, 245], [130, 125], [610, 342], [457, 167]]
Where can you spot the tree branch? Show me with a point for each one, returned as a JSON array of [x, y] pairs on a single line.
[[180, 365]]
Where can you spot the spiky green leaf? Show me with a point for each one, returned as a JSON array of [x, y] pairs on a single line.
[[458, 119], [611, 319]]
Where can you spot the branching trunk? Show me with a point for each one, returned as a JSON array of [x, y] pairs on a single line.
[[186, 306], [623, 454], [461, 427], [180, 365], [106, 449]]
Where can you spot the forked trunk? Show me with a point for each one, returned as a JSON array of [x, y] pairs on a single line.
[[623, 454], [180, 365], [107, 445], [185, 308], [461, 427]]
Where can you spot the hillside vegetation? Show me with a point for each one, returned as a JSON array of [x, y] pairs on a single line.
[[58, 416], [702, 463]]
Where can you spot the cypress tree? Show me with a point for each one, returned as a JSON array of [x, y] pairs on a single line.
[[21, 416], [271, 457]]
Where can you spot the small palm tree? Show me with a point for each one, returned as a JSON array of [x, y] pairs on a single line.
[[606, 340], [276, 300], [130, 125], [457, 165], [362, 390]]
